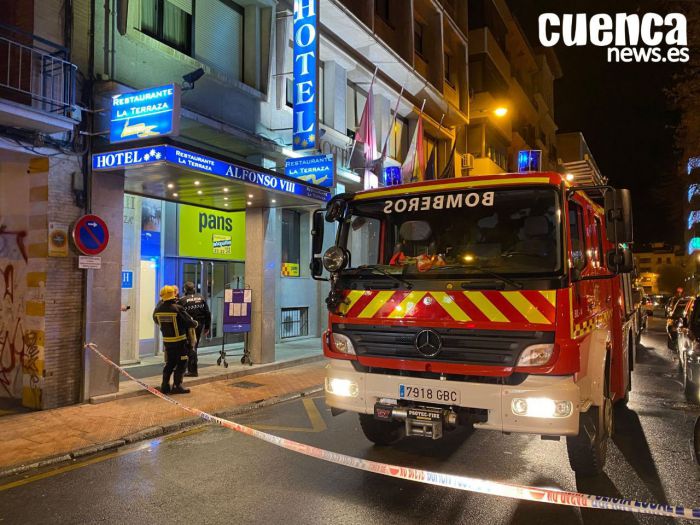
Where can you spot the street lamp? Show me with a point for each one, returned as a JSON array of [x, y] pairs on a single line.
[[500, 111]]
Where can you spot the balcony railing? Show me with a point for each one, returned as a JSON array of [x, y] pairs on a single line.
[[36, 76]]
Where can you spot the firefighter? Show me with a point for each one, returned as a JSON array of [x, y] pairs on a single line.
[[174, 323], [195, 305]]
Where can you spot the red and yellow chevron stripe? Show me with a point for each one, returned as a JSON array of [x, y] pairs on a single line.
[[488, 306]]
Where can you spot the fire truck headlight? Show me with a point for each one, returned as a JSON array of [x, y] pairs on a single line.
[[335, 259], [541, 407], [341, 387], [343, 344], [536, 355]]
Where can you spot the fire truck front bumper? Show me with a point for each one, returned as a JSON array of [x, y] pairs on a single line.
[[545, 405]]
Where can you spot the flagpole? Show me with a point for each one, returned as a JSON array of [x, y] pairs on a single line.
[[354, 140], [451, 157], [415, 151]]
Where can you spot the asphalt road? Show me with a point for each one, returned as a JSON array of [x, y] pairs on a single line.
[[213, 475]]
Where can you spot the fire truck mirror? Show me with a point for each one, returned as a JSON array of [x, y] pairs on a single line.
[[620, 260], [317, 229], [618, 216]]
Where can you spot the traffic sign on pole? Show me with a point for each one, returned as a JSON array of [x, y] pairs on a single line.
[[90, 235]]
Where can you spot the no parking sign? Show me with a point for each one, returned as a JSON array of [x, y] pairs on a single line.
[[90, 234]]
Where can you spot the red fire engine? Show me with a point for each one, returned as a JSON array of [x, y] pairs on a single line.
[[499, 301]]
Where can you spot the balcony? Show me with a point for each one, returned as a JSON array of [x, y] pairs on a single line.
[[482, 41], [37, 83]]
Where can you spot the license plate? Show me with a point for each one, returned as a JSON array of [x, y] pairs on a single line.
[[445, 396]]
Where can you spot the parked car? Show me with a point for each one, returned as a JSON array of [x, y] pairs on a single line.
[[676, 319], [671, 304], [689, 352], [648, 305], [640, 313], [659, 304]]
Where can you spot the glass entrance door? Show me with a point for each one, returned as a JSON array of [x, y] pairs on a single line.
[[211, 278]]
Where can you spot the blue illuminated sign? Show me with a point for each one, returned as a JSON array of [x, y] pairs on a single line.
[[319, 169], [529, 160], [392, 176], [198, 162], [127, 279], [305, 74], [145, 114], [693, 245]]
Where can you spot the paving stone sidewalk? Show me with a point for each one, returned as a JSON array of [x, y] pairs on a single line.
[[65, 433]]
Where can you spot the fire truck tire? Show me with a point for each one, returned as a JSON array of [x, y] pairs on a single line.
[[381, 432], [588, 450]]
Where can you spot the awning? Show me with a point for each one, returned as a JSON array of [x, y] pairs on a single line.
[[170, 172]]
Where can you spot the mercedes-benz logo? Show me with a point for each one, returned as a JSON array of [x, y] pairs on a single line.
[[428, 343]]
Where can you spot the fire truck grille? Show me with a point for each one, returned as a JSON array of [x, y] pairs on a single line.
[[477, 347]]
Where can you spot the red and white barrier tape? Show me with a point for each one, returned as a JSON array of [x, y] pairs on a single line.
[[542, 495]]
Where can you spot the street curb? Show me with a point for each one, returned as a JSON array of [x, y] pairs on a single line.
[[153, 432], [256, 369]]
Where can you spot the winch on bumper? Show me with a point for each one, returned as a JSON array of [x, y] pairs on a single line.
[[546, 405]]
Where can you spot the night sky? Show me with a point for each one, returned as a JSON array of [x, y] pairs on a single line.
[[623, 113]]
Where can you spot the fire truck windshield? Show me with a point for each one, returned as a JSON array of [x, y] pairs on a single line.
[[470, 232]]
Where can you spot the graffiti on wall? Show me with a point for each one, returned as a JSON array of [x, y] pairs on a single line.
[[19, 349]]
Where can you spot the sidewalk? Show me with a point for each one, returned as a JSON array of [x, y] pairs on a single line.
[[288, 354], [40, 438]]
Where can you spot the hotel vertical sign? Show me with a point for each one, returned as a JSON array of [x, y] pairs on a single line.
[[305, 74]]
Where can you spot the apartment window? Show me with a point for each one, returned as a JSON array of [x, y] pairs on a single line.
[[668, 260], [218, 36], [355, 100], [169, 21], [398, 141], [418, 32], [290, 92], [448, 70], [291, 237], [381, 8], [645, 260]]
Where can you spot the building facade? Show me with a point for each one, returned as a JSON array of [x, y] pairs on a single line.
[[662, 268], [512, 86]]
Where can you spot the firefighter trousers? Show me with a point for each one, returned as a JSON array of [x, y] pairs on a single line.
[[175, 363]]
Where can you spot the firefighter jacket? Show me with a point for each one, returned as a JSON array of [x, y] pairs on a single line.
[[195, 305], [173, 321]]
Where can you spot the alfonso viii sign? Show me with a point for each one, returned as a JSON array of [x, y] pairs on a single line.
[[305, 74], [143, 114]]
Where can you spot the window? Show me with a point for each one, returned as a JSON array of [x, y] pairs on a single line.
[[418, 32], [658, 260], [398, 141], [218, 36], [290, 92], [295, 322], [291, 237], [578, 247], [645, 260], [448, 70], [169, 21], [381, 8], [668, 260], [354, 105]]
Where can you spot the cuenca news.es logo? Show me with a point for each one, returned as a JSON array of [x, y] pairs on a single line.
[[650, 37]]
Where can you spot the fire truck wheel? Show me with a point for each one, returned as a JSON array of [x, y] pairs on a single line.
[[381, 432], [588, 450]]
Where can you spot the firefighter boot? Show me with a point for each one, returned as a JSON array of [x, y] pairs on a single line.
[[179, 389]]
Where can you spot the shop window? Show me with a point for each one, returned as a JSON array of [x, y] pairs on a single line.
[[291, 237], [169, 21], [294, 322], [578, 247], [418, 32]]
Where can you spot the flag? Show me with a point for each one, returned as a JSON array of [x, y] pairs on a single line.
[[430, 167], [413, 166], [365, 132], [449, 166]]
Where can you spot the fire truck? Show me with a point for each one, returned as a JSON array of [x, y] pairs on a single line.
[[502, 302]]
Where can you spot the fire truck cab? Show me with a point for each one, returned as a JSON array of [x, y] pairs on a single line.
[[501, 301]]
